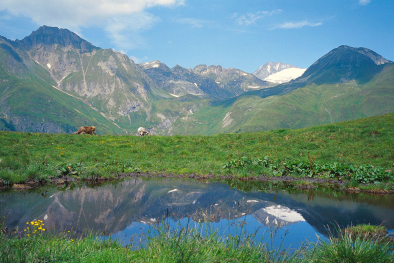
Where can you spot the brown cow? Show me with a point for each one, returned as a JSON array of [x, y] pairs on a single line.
[[86, 130]]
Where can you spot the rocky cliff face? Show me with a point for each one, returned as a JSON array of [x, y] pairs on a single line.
[[59, 51], [108, 81]]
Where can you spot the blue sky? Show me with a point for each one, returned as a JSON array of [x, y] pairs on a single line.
[[243, 34]]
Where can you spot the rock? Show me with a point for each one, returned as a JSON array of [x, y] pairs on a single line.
[[20, 186], [60, 181]]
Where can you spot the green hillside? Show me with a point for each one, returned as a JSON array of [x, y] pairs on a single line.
[[26, 100], [327, 103], [303, 107], [31, 101]]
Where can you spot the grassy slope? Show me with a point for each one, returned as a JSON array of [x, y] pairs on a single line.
[[322, 104], [202, 121], [33, 100], [30, 156]]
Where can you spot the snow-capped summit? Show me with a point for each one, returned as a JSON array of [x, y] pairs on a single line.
[[285, 75], [278, 72]]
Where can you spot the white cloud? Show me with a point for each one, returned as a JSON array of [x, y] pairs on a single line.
[[77, 13], [251, 18], [125, 31], [290, 25], [364, 2], [121, 19]]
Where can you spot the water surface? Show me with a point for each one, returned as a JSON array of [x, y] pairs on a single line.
[[127, 210]]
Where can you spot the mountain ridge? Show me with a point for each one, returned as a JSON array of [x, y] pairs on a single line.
[[105, 88], [46, 35]]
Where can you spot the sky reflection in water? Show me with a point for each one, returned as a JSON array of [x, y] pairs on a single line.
[[128, 209]]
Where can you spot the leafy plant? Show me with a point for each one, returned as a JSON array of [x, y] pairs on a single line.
[[361, 174], [71, 169]]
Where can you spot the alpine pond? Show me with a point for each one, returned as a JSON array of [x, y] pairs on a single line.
[[127, 210]]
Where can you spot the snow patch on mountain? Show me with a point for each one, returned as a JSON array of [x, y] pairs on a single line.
[[270, 68], [285, 75], [277, 72], [152, 64], [284, 213]]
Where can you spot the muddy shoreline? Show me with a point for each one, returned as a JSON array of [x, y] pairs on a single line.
[[304, 183]]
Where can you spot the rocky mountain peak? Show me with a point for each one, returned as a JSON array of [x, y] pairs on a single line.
[[343, 64], [179, 68], [49, 36], [347, 54], [204, 69]]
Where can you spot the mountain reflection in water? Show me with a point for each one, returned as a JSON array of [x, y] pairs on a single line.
[[127, 209]]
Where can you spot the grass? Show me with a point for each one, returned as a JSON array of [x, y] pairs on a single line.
[[200, 243], [195, 244], [371, 232], [365, 144], [361, 243]]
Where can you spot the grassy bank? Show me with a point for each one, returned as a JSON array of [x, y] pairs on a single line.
[[358, 244], [360, 151]]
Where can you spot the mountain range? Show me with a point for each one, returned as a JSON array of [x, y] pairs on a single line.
[[54, 81]]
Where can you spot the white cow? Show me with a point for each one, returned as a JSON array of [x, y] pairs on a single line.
[[142, 131]]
